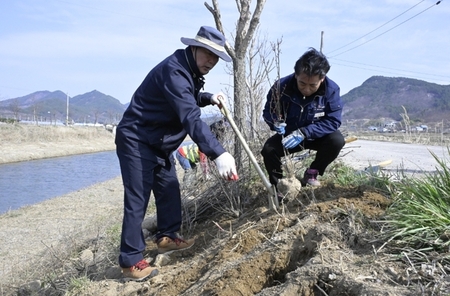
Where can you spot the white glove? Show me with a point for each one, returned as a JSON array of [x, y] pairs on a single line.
[[226, 166], [215, 99]]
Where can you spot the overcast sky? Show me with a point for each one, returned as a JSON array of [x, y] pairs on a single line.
[[77, 46]]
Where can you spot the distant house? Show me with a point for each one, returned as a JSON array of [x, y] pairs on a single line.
[[392, 124]]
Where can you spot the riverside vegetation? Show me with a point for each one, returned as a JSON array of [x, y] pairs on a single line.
[[358, 234]]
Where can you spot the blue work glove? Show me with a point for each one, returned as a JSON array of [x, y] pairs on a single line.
[[280, 127], [293, 139]]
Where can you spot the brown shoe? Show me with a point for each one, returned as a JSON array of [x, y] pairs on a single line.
[[167, 245], [138, 272]]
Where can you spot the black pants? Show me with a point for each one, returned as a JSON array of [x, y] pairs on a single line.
[[327, 148]]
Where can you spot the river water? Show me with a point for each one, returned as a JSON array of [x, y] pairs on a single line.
[[31, 182]]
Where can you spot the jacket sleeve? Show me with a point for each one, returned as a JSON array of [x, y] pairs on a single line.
[[179, 91], [204, 99]]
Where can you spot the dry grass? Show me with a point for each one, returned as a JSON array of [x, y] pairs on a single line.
[[423, 138], [29, 142], [20, 133], [50, 234]]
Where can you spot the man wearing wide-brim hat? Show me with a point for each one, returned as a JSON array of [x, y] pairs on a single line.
[[163, 110]]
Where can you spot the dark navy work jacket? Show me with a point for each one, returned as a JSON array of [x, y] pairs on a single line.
[[316, 116], [164, 109]]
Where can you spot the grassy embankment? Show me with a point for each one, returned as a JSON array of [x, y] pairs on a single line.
[[415, 225], [28, 142]]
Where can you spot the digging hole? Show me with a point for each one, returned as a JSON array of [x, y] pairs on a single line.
[[300, 252]]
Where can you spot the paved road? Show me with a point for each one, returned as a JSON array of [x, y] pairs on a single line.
[[409, 157]]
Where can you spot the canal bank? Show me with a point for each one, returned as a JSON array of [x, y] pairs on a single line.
[[28, 233], [32, 233], [25, 142]]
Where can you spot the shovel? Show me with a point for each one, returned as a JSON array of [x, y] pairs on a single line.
[[273, 199]]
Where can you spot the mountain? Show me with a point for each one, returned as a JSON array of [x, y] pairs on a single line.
[[91, 107], [383, 97], [378, 98]]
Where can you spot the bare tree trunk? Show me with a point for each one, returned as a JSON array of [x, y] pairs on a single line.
[[246, 27]]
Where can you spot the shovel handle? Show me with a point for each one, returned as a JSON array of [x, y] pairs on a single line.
[[272, 202]]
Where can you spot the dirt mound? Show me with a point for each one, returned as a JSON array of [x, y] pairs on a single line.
[[320, 243]]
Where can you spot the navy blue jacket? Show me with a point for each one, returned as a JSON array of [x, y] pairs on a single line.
[[164, 109], [316, 116]]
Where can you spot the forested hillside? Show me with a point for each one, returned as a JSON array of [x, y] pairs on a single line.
[[383, 97]]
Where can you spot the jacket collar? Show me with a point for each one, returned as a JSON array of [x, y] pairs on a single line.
[[193, 65]]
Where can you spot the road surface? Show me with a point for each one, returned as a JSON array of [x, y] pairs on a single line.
[[411, 158]]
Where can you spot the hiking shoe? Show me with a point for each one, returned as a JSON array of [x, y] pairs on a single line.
[[167, 245], [310, 178], [138, 272]]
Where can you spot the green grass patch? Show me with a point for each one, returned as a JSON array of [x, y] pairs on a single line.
[[419, 216]]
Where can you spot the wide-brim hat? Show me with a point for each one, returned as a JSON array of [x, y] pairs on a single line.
[[211, 39]]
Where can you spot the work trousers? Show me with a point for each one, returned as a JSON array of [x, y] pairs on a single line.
[[327, 147], [141, 176]]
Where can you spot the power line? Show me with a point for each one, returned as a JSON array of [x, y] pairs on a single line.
[[376, 28], [437, 3], [400, 70], [396, 73]]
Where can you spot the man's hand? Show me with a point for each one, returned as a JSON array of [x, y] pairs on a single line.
[[293, 139], [226, 167], [215, 99], [280, 127]]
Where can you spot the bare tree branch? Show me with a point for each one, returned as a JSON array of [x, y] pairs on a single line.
[[215, 11], [246, 27]]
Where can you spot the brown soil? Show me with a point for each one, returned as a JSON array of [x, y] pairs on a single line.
[[321, 242]]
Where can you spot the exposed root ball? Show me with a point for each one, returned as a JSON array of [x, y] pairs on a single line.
[[289, 187]]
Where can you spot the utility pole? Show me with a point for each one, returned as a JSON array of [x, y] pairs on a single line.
[[67, 110], [321, 41]]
